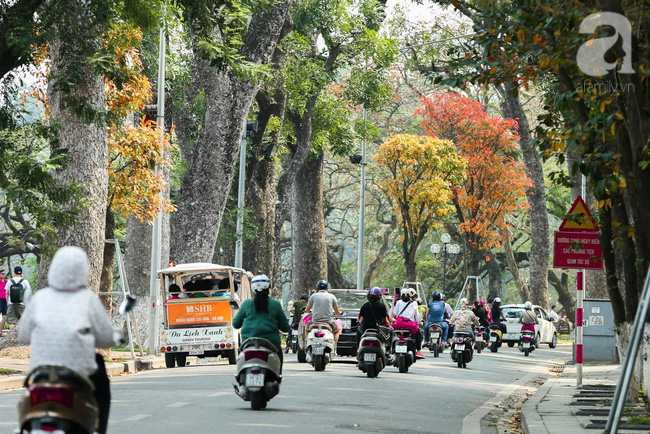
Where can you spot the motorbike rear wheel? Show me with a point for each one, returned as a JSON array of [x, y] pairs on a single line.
[[494, 347], [302, 356], [258, 401], [459, 360], [526, 352], [401, 365], [370, 371], [319, 363], [436, 351], [479, 348]]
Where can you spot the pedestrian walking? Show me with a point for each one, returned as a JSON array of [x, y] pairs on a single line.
[[3, 300], [18, 292]]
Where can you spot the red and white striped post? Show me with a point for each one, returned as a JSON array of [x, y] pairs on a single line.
[[579, 316]]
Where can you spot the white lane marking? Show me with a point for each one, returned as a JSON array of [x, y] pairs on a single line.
[[178, 404], [136, 417]]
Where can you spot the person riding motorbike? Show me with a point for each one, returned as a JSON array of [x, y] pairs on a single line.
[[449, 311], [296, 314], [498, 316], [436, 314], [66, 321], [406, 308], [528, 319], [481, 313], [262, 316], [373, 313], [323, 306], [463, 319]]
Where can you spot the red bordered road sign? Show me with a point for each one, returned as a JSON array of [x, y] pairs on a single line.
[[579, 250]]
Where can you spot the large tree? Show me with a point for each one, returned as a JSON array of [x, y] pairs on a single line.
[[495, 180], [420, 172], [228, 93]]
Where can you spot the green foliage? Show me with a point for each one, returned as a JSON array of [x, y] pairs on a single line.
[[331, 127]]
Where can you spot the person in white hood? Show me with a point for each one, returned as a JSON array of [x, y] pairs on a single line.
[[65, 322]]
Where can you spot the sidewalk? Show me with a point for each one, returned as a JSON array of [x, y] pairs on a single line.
[[123, 364], [553, 409]]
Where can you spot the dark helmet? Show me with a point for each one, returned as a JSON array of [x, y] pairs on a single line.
[[322, 284], [304, 297], [436, 295]]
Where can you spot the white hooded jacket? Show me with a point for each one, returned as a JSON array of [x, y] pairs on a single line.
[[65, 322]]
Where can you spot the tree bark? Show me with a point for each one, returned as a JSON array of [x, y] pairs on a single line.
[[205, 188], [540, 243], [84, 140], [565, 297], [308, 246], [524, 292], [494, 270], [106, 279]]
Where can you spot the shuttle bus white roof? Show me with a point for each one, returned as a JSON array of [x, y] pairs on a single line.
[[198, 267]]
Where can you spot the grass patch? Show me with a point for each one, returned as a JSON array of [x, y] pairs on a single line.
[[638, 420], [4, 371], [126, 348]]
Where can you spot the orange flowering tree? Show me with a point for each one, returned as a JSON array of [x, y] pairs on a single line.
[[419, 175], [135, 151], [496, 180]]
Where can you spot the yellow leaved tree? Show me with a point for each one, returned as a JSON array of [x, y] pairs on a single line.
[[419, 175]]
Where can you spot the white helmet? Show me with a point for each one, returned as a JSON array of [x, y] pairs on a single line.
[[260, 283], [497, 300], [464, 301], [408, 291], [528, 305]]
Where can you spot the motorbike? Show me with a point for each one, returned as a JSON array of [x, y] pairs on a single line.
[[461, 348], [495, 337], [527, 342], [372, 352], [479, 343], [319, 345], [403, 349], [59, 399], [436, 344], [292, 339], [258, 372]]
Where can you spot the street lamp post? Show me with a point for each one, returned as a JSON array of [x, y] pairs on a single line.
[[361, 160], [447, 249]]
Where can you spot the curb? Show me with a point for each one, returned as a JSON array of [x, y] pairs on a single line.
[[531, 421], [15, 381]]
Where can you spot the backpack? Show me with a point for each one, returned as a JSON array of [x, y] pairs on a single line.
[[16, 291]]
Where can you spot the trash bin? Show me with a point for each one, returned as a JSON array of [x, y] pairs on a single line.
[[599, 333]]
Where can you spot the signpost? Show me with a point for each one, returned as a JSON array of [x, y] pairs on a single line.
[[576, 245]]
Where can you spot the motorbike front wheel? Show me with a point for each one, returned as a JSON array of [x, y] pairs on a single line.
[[319, 363], [258, 401], [401, 365]]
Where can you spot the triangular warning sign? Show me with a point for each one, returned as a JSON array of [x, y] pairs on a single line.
[[579, 218]]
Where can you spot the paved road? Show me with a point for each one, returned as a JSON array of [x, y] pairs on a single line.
[[433, 397]]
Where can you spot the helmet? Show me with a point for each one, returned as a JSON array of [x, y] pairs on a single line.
[[304, 297], [260, 283], [436, 295], [18, 269], [528, 305], [443, 296], [497, 300], [408, 291], [376, 291], [322, 284], [464, 301]]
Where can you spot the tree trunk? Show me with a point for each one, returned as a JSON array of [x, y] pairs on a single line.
[[540, 249], [524, 292], [334, 275], [106, 280], [205, 188], [383, 250], [411, 269], [309, 248], [494, 270], [564, 293], [83, 139]]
